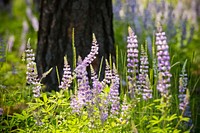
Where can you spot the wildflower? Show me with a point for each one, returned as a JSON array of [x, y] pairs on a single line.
[[25, 28], [36, 88], [96, 84], [100, 99], [75, 105], [144, 85], [10, 42], [184, 97], [124, 108], [132, 61], [163, 60], [67, 77], [108, 75], [91, 56], [84, 93], [182, 91], [104, 109], [31, 74], [113, 96], [1, 111]]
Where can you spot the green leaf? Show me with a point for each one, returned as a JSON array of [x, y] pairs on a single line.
[[176, 131], [174, 116], [44, 95], [106, 90], [155, 117]]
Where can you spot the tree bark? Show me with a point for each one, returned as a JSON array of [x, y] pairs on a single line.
[[57, 19]]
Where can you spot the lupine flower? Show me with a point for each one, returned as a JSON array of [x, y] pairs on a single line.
[[113, 96], [1, 111], [36, 88], [91, 56], [182, 91], [184, 32], [84, 93], [96, 84], [98, 99], [124, 108], [11, 41], [108, 75], [163, 60], [67, 77], [104, 109], [31, 74], [184, 97], [144, 84], [30, 58], [75, 105], [25, 28], [32, 19], [132, 61]]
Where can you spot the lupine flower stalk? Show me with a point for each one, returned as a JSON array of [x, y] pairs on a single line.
[[124, 108], [108, 75], [113, 96], [30, 58], [84, 93], [96, 84], [144, 84], [132, 61], [104, 109], [91, 56], [32, 77], [184, 101], [67, 76], [184, 97], [163, 60]]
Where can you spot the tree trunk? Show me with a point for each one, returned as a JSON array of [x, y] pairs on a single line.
[[57, 19]]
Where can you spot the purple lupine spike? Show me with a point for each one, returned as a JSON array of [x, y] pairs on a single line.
[[113, 96], [103, 109], [31, 74], [183, 100], [75, 105], [36, 89], [108, 75], [84, 93], [67, 77], [144, 84], [92, 55], [124, 108], [163, 60], [96, 84], [184, 97], [132, 61]]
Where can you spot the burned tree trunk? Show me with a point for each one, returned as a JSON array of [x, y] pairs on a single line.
[[57, 19]]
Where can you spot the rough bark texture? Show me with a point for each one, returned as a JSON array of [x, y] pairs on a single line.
[[57, 19]]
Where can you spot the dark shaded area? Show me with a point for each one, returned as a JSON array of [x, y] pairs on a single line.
[[57, 19], [5, 5]]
